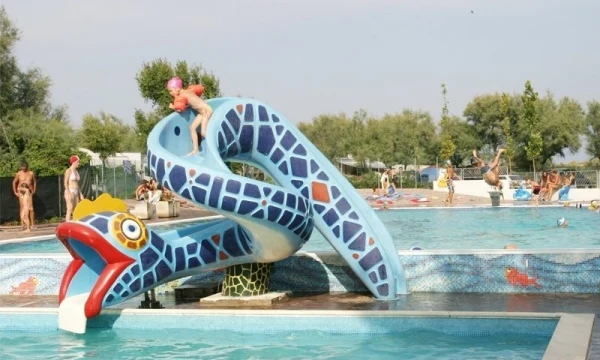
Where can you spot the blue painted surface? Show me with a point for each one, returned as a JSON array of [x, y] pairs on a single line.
[[263, 222], [274, 220]]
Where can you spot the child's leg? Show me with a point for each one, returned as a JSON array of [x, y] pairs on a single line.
[[25, 219], [194, 134], [206, 116]]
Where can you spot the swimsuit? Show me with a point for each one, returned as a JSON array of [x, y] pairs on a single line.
[[484, 169], [450, 184], [536, 190], [74, 176]]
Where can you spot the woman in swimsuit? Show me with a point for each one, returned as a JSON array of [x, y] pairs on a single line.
[[71, 183]]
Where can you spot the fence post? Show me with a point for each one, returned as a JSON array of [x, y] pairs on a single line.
[[59, 197], [114, 183]]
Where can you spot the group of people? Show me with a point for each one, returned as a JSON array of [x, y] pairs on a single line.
[[25, 184], [550, 183], [151, 191]]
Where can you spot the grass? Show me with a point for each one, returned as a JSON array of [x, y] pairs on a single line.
[[52, 220]]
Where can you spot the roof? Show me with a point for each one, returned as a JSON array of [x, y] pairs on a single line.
[[354, 163]]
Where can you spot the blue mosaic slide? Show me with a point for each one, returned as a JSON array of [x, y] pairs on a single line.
[[275, 220], [115, 257]]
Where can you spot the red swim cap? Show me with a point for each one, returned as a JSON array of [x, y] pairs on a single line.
[[73, 159]]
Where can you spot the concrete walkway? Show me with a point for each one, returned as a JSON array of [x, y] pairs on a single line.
[[15, 232]]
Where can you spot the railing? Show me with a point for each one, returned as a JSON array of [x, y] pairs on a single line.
[[584, 179]]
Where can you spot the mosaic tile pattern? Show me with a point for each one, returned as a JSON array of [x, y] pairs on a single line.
[[533, 273], [311, 191], [31, 276]]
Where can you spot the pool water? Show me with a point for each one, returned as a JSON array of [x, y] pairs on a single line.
[[189, 344], [474, 228]]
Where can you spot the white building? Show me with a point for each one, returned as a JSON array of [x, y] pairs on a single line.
[[119, 159]]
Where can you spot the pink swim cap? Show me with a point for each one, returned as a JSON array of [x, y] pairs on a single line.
[[175, 83]]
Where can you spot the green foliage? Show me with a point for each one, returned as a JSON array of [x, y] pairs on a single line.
[[368, 180], [507, 130], [529, 112], [592, 129], [534, 147], [448, 149], [152, 83], [484, 114], [461, 135], [560, 124], [103, 134], [447, 146], [46, 144], [530, 117], [30, 128]]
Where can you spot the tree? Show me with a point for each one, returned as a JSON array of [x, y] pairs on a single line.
[[448, 147], [30, 127], [45, 143], [9, 36], [152, 80], [507, 129], [592, 129], [561, 125], [531, 120], [103, 134], [484, 113]]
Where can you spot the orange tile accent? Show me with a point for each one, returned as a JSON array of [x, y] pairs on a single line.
[[320, 192], [240, 108], [168, 164], [264, 202], [355, 255], [192, 172], [117, 226], [371, 241], [131, 245], [223, 256], [216, 239]]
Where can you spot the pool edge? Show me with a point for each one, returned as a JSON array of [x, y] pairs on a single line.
[[571, 338]]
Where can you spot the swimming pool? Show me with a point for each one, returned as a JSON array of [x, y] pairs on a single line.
[[447, 228], [273, 335]]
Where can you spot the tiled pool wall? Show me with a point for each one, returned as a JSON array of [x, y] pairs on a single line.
[[486, 271]]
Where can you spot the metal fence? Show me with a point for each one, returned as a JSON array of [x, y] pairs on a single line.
[[584, 179], [119, 182]]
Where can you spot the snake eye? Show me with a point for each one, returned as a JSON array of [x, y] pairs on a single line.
[[131, 229], [130, 232]]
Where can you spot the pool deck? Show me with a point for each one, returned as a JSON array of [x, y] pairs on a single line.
[[46, 230], [422, 302], [190, 212]]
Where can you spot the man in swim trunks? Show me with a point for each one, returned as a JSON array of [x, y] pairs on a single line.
[[450, 174], [25, 176], [490, 172]]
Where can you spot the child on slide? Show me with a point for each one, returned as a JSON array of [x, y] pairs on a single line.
[[190, 96]]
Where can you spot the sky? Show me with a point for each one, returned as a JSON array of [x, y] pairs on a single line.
[[310, 57]]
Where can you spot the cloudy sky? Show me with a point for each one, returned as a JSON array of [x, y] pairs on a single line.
[[307, 57]]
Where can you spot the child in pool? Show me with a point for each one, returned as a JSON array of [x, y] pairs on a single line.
[[183, 97], [26, 200]]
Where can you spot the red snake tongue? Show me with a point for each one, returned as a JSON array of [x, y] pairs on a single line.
[[76, 236]]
